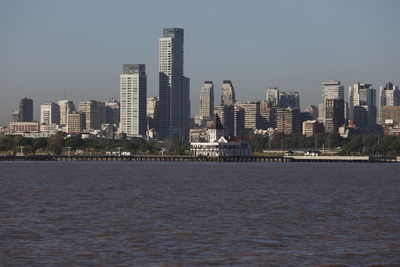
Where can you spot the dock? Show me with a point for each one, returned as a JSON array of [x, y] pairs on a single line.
[[188, 158]]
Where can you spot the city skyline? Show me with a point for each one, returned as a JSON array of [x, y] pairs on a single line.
[[53, 65]]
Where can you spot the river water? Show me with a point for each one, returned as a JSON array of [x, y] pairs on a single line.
[[135, 214]]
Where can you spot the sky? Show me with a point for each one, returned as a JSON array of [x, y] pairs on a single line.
[[54, 49]]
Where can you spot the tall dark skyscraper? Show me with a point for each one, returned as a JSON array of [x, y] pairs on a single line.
[[26, 110], [174, 87]]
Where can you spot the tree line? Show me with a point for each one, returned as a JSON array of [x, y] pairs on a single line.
[[355, 145]]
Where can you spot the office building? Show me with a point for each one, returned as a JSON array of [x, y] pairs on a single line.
[[289, 99], [331, 89], [313, 110], [66, 107], [112, 112], [362, 104], [390, 115], [174, 87], [389, 95], [50, 113], [227, 116], [334, 115], [133, 90], [95, 114], [312, 127], [153, 113], [26, 110], [76, 122], [288, 120], [207, 99], [228, 96], [272, 96]]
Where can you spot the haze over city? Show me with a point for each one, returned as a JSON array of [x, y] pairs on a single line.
[[51, 50]]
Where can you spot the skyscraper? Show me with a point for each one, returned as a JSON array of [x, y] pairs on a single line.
[[133, 93], [227, 93], [174, 87], [95, 113], [331, 89], [66, 107], [207, 99], [26, 110], [289, 99], [362, 104], [272, 96], [112, 111], [389, 95], [49, 113]]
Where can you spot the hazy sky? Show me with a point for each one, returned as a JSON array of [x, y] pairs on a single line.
[[48, 47]]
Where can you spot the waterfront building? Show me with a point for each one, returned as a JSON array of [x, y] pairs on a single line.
[[26, 110], [334, 114], [362, 104], [272, 96], [312, 127], [95, 114], [228, 96], [76, 122], [390, 114], [174, 90], [66, 107], [133, 90], [112, 112], [288, 120], [19, 127], [219, 145], [50, 113]]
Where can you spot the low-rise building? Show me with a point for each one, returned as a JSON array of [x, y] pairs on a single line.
[[23, 127], [219, 145]]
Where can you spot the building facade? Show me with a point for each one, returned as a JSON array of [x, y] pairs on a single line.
[[272, 96], [174, 87], [66, 107], [76, 122], [26, 110], [288, 120], [112, 112], [362, 104], [133, 90], [207, 99], [95, 114], [228, 96], [334, 114], [390, 114], [50, 113], [331, 89]]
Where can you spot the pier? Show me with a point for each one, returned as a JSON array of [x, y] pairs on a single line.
[[188, 158]]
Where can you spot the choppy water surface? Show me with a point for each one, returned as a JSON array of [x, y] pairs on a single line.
[[279, 214]]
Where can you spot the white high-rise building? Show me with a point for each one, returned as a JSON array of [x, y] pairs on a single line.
[[389, 95], [49, 113], [207, 99], [66, 107], [133, 90], [174, 87]]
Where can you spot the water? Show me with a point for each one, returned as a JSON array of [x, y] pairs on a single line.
[[270, 214]]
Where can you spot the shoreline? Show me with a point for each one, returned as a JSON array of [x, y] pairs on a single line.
[[182, 158]]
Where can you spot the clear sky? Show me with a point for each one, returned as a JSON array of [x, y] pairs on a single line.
[[78, 46]]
